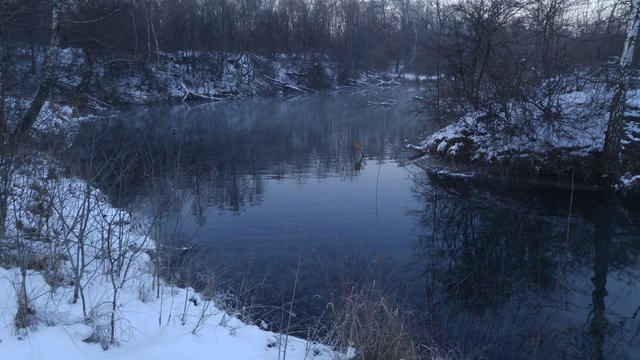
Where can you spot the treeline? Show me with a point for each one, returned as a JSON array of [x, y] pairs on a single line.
[[496, 52], [364, 34], [468, 35]]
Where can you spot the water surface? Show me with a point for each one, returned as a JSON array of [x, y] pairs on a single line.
[[316, 193]]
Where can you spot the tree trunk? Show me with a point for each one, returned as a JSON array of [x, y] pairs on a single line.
[[3, 119], [4, 170], [80, 255], [615, 128], [48, 76], [22, 315], [4, 193]]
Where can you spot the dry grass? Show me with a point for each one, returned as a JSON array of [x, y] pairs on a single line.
[[369, 322]]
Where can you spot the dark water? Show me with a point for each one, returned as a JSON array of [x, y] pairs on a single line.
[[267, 191]]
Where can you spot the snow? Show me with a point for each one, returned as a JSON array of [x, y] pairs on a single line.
[[55, 116], [142, 337], [541, 144], [419, 77], [580, 134], [628, 181], [633, 99], [453, 174], [208, 73], [122, 79], [180, 324]]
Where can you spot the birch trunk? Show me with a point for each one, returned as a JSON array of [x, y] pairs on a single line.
[[615, 128]]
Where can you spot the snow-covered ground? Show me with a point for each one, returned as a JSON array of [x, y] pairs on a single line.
[[419, 77], [151, 319], [471, 133], [177, 324], [476, 139], [61, 328], [124, 79]]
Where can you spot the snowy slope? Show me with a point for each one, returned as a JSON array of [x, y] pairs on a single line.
[[179, 324], [60, 333], [578, 138]]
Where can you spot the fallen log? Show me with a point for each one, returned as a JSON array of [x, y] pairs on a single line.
[[357, 82], [188, 93], [382, 103], [290, 86]]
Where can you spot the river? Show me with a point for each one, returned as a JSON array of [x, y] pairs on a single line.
[[264, 196]]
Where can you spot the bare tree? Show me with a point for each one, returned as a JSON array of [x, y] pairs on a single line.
[[12, 138]]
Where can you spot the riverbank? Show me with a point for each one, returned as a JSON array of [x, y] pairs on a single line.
[[532, 149], [147, 325], [79, 280], [96, 80]]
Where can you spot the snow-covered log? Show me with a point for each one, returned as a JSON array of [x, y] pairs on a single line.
[[382, 103], [192, 94], [290, 86]]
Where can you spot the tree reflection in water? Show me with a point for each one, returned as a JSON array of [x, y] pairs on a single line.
[[208, 170], [500, 271], [507, 270]]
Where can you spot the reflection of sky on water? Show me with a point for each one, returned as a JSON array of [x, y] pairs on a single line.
[[325, 208]]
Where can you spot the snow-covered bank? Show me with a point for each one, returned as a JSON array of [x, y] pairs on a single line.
[[67, 234], [60, 328], [524, 144], [97, 79]]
